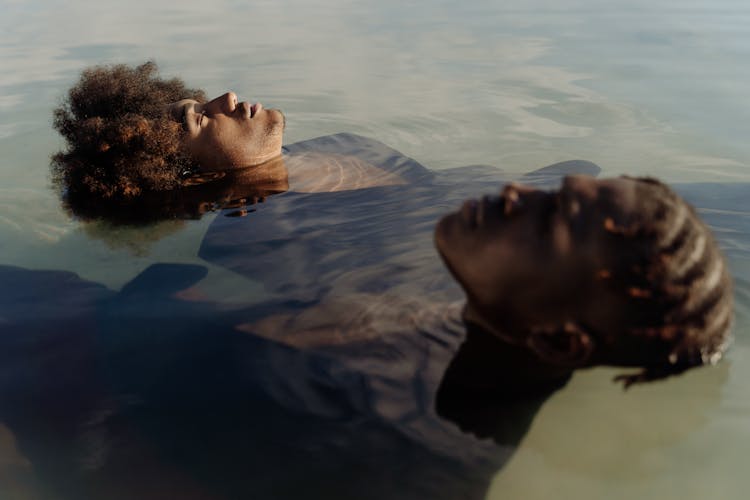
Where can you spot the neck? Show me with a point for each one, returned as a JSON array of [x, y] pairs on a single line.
[[272, 173], [488, 364]]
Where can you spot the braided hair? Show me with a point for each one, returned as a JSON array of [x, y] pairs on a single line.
[[675, 283]]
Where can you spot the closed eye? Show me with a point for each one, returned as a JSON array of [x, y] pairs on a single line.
[[183, 119], [186, 116]]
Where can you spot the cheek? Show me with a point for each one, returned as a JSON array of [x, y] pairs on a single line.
[[258, 139], [535, 273], [493, 272], [209, 150], [497, 260], [195, 147]]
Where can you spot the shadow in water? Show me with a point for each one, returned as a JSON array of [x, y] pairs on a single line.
[[143, 394]]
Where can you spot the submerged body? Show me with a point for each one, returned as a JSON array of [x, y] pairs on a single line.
[[159, 386], [319, 387]]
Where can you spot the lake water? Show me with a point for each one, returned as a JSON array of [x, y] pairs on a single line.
[[657, 88]]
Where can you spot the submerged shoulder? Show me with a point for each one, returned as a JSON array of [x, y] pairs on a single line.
[[361, 318], [351, 161]]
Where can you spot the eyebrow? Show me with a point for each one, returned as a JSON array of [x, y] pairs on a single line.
[[185, 125]]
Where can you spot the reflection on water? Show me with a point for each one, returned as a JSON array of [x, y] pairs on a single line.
[[153, 405]]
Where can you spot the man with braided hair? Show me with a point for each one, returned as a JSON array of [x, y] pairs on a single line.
[[614, 272], [600, 272]]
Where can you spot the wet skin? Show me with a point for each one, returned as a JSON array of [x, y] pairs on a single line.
[[531, 258], [225, 133]]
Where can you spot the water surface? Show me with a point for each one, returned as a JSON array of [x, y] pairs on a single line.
[[635, 87]]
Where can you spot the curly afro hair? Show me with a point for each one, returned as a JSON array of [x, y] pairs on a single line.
[[120, 138]]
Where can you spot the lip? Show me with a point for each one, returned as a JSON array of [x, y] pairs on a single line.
[[255, 109]]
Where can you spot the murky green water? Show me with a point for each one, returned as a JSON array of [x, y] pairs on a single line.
[[636, 87]]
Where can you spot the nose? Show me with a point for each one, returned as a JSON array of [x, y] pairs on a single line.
[[225, 103]]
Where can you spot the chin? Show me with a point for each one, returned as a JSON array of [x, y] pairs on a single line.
[[447, 241], [453, 240], [278, 119], [446, 233]]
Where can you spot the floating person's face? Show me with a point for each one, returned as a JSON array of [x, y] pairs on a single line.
[[532, 256], [225, 133]]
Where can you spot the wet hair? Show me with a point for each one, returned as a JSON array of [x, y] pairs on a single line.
[[237, 189], [675, 283], [120, 138]]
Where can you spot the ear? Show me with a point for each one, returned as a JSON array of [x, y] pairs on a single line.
[[562, 345]]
